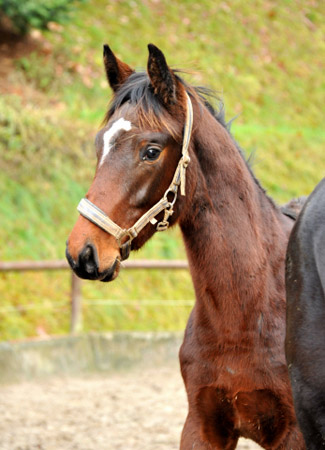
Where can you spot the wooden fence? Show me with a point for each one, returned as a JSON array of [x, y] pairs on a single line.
[[75, 293]]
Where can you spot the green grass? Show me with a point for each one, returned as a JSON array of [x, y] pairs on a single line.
[[266, 59], [37, 302]]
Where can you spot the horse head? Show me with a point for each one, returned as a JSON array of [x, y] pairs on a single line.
[[142, 154]]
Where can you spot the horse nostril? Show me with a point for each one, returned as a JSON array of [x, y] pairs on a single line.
[[88, 252], [88, 260]]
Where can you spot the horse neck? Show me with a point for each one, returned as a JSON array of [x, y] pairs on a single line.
[[232, 231]]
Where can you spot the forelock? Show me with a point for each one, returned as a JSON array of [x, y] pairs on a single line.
[[138, 93]]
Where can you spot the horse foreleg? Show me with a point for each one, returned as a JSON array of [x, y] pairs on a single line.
[[192, 438], [293, 441]]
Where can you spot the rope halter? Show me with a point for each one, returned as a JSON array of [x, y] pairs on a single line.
[[91, 212]]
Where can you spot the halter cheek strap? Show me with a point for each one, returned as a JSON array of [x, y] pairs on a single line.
[[91, 212]]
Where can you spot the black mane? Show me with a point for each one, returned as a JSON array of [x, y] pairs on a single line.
[[138, 91]]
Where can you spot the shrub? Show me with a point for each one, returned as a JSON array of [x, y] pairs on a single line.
[[26, 14]]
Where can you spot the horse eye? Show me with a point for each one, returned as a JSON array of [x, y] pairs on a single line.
[[151, 154]]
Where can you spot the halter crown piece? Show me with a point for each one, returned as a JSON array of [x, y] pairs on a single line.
[[91, 212]]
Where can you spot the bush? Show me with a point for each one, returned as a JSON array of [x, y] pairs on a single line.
[[26, 14]]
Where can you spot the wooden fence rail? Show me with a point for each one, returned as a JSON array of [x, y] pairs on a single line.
[[75, 293]]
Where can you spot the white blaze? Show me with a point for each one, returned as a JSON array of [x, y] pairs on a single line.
[[117, 126]]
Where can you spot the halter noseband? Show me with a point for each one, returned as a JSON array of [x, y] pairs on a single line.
[[91, 212]]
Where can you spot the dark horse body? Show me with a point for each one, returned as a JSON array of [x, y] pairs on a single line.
[[305, 340], [232, 359]]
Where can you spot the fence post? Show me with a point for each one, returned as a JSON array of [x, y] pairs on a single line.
[[76, 313]]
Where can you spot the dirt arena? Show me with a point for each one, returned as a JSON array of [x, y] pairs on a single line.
[[137, 410]]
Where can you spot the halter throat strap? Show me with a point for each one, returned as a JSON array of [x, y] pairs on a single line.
[[124, 236]]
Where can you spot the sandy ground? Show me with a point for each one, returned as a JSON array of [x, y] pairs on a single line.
[[138, 410]]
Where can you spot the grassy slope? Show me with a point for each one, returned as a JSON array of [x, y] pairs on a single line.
[[266, 60]]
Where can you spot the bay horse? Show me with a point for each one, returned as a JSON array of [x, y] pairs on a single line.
[[166, 157], [305, 337]]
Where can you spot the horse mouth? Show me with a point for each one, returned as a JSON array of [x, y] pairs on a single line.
[[88, 269], [111, 273]]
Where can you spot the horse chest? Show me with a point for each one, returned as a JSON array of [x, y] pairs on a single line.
[[257, 414]]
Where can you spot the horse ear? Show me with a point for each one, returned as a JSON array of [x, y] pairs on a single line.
[[117, 72], [161, 76]]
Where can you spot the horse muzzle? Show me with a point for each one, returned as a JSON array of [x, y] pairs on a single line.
[[87, 265]]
